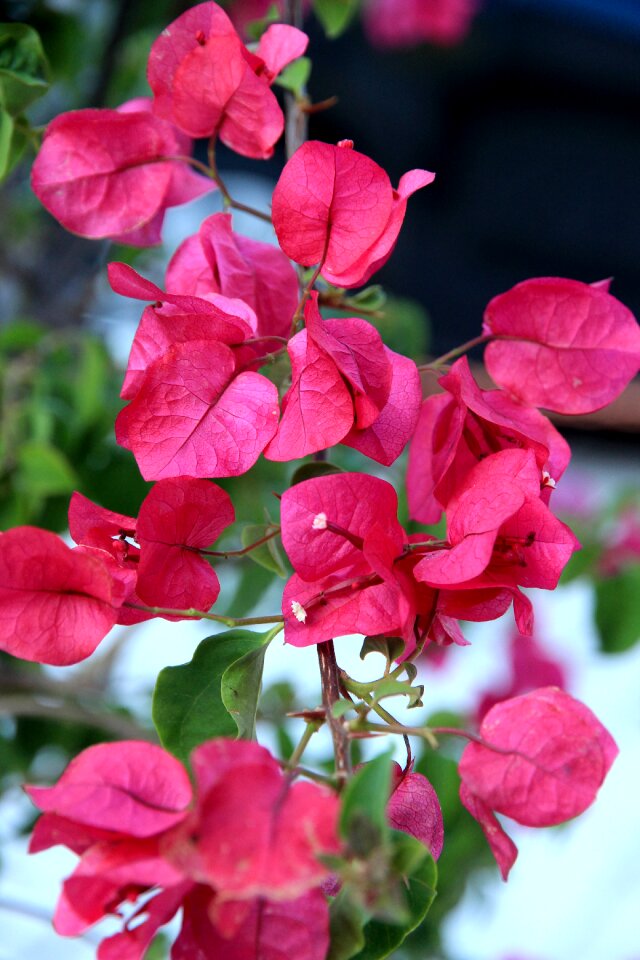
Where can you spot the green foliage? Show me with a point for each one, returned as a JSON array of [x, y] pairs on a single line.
[[23, 78], [23, 68], [268, 555], [369, 924], [313, 469], [294, 77], [617, 612], [59, 393], [365, 796], [214, 695], [335, 15]]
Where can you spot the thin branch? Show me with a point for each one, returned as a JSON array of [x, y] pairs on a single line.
[[116, 725], [330, 677]]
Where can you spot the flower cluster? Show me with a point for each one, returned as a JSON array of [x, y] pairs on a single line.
[[241, 854]]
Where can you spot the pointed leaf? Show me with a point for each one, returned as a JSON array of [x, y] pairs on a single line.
[[240, 689], [188, 705]]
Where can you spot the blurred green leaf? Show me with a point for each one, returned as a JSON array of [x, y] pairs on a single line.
[[23, 67], [13, 141], [366, 795], [313, 469], [267, 555], [43, 471], [335, 15], [617, 612], [295, 77]]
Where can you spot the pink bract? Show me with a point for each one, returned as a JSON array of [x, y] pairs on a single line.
[[208, 84], [456, 431], [569, 346], [217, 260], [414, 807], [405, 23], [194, 415], [56, 604], [335, 207], [109, 173]]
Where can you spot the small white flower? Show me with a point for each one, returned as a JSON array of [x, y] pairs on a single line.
[[547, 480], [319, 521], [298, 611]]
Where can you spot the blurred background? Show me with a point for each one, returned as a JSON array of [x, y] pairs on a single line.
[[528, 112]]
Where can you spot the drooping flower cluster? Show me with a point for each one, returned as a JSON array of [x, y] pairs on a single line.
[[243, 865], [247, 874]]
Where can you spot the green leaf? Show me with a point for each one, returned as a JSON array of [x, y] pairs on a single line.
[[91, 382], [617, 613], [313, 469], [267, 555], [13, 141], [346, 921], [390, 687], [371, 298], [188, 702], [295, 77], [335, 15], [381, 938], [241, 690], [43, 471], [389, 647], [23, 67], [366, 794]]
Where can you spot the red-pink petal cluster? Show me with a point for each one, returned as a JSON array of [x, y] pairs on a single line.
[[113, 173], [460, 428], [195, 410], [543, 758], [217, 260], [208, 84], [347, 387], [342, 536], [243, 864], [500, 533], [56, 604], [561, 344], [335, 207], [403, 23], [177, 518]]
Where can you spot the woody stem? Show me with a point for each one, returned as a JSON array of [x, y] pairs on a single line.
[[330, 677]]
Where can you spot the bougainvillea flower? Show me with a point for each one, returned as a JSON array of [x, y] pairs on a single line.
[[207, 83], [270, 930], [176, 318], [341, 390], [498, 527], [404, 23], [196, 415], [176, 518], [335, 207], [128, 810], [414, 808], [342, 536], [217, 260], [109, 173], [56, 604], [544, 758], [462, 427], [568, 346]]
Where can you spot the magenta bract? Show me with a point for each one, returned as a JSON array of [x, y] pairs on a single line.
[[56, 604], [569, 346], [111, 173], [349, 220], [207, 83]]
